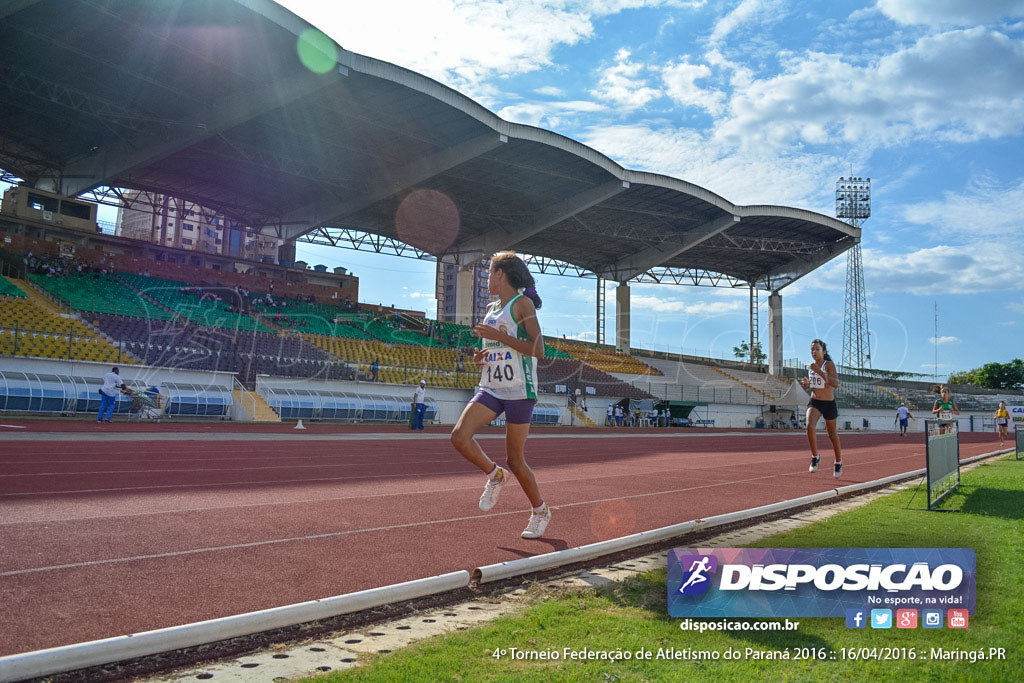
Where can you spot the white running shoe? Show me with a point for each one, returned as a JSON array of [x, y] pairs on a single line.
[[489, 498], [815, 459], [838, 470], [538, 523]]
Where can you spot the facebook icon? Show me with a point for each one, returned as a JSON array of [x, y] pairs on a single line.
[[856, 618]]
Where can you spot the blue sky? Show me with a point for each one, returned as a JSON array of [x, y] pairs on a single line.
[[761, 101]]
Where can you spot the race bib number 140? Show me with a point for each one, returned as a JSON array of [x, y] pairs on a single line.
[[501, 370]]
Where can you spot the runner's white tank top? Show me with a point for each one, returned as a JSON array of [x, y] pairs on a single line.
[[507, 374]]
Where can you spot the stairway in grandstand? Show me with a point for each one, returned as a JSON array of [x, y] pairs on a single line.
[[896, 397], [581, 417], [694, 379], [9, 289], [36, 326], [572, 373], [736, 379], [40, 298], [605, 360], [254, 405]]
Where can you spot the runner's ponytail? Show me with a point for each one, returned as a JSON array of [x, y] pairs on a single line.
[[518, 275]]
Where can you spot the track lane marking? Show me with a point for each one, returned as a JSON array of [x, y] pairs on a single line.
[[393, 527]]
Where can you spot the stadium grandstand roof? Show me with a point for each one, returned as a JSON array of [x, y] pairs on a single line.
[[210, 102]]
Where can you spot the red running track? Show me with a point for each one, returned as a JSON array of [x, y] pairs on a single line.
[[100, 538]]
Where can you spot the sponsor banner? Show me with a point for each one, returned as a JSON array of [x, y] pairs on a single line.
[[817, 582], [1016, 417]]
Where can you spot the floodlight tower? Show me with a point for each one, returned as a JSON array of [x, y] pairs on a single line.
[[853, 204]]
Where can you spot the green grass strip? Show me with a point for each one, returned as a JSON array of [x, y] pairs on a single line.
[[631, 615]]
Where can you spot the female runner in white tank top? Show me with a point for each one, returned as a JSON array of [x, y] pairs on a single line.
[[512, 343], [822, 379]]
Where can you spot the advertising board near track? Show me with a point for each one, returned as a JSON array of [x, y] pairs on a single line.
[[817, 582], [1016, 416]]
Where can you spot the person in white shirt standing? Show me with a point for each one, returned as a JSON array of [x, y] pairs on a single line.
[[108, 394], [903, 417], [419, 405]]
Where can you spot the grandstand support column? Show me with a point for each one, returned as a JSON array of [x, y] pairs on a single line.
[[286, 252], [622, 317], [464, 287], [755, 331], [775, 334]]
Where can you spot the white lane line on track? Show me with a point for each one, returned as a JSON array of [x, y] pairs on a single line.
[[367, 458], [99, 437], [347, 460], [432, 492], [225, 483], [334, 479], [393, 527]]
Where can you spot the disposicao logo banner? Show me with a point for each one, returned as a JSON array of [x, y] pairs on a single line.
[[816, 582]]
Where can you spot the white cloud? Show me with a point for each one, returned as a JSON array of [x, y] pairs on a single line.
[[551, 113], [625, 83], [984, 209], [660, 304], [462, 44], [937, 271], [929, 90], [550, 91], [950, 12], [748, 11], [944, 340], [757, 176], [680, 84], [1015, 307], [458, 43]]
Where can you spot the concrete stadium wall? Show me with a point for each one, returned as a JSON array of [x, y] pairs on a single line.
[[136, 374], [450, 402]]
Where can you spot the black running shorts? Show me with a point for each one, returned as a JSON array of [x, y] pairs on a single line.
[[828, 409]]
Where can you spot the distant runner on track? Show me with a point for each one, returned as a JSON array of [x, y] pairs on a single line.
[[945, 408], [822, 379], [1002, 423]]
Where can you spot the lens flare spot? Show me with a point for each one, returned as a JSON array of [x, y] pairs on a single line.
[[317, 52], [428, 220], [612, 519]]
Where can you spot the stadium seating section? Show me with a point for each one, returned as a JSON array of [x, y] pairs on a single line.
[[100, 294], [211, 320], [9, 289], [210, 306], [604, 359], [224, 324], [575, 374], [28, 330]]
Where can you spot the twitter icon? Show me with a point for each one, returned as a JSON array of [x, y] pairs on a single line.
[[881, 618]]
